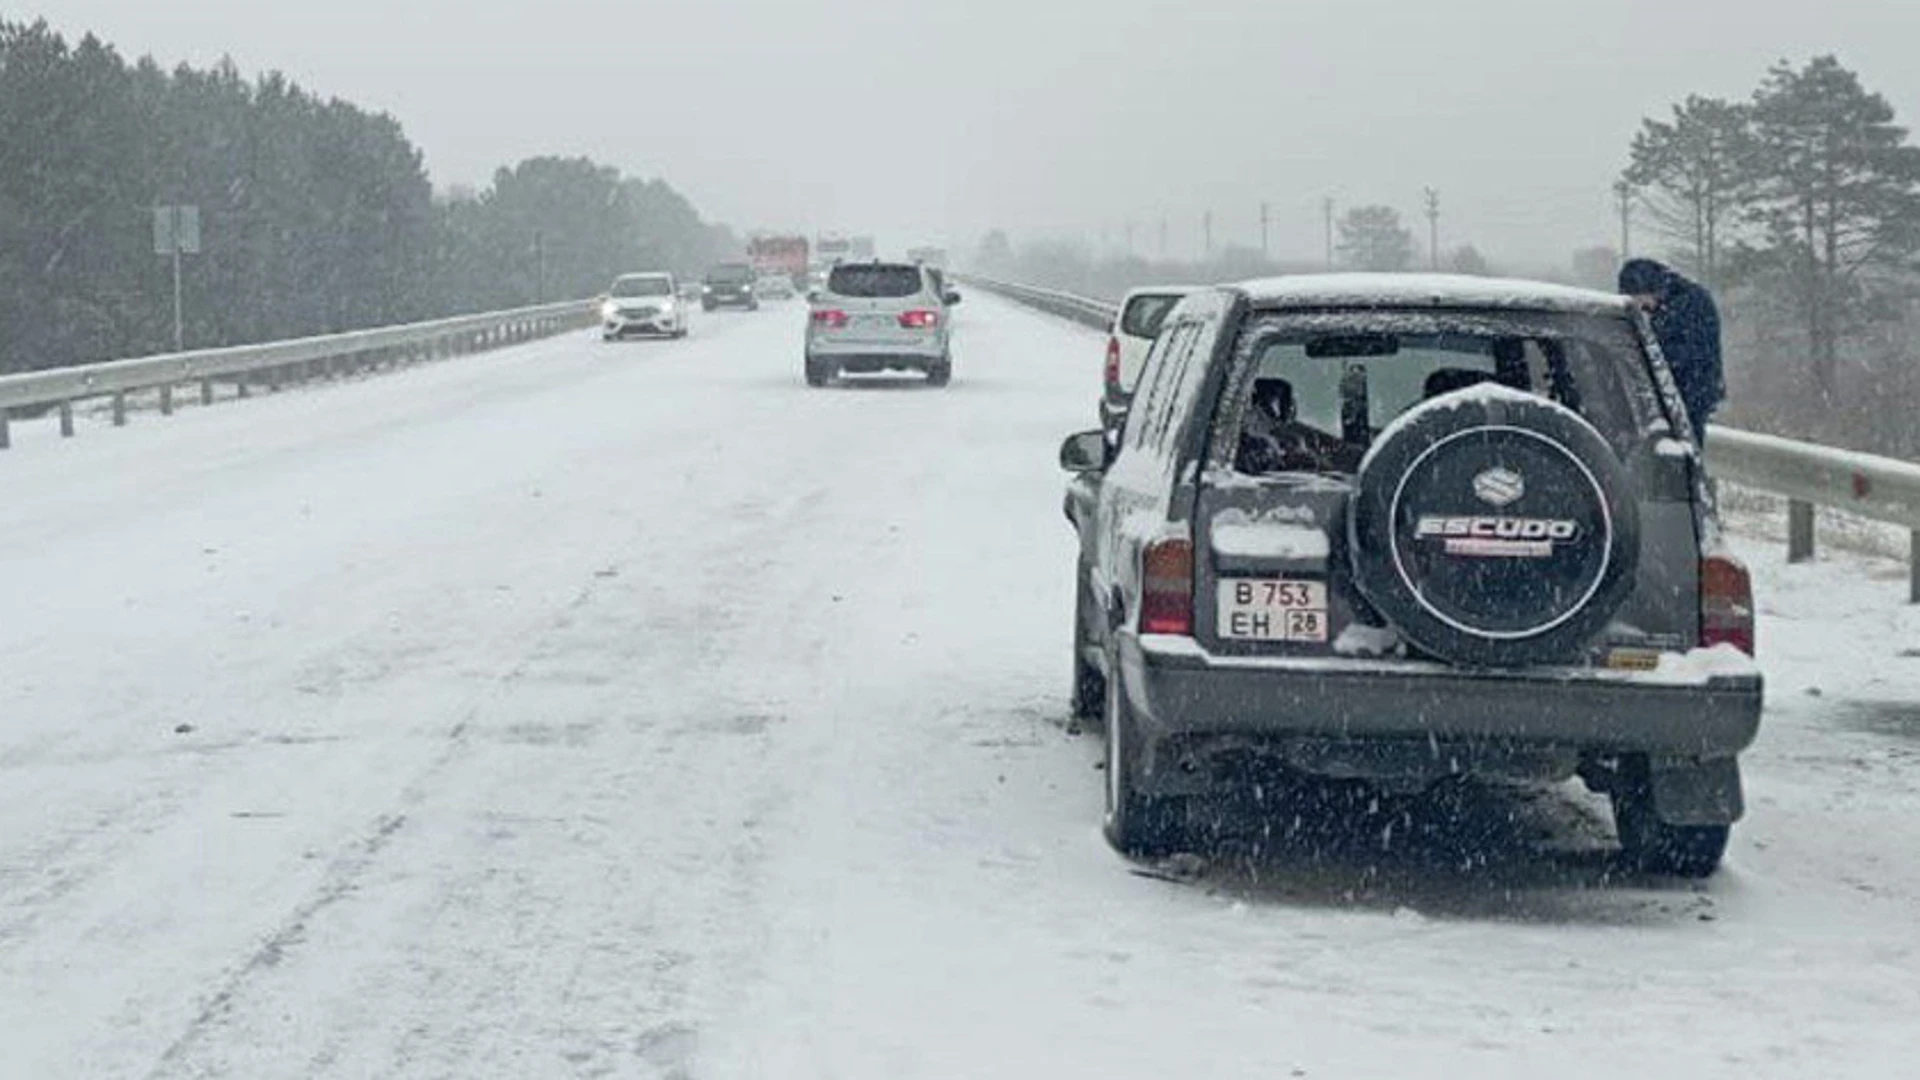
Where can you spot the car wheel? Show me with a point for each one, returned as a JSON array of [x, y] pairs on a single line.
[[1137, 823], [818, 374], [1089, 684], [1653, 846], [708, 308], [940, 374]]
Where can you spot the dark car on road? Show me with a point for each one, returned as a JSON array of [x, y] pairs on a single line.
[[730, 285], [1404, 530]]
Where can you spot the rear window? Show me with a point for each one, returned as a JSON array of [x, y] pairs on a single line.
[[876, 282], [1145, 315], [1321, 388], [730, 275]]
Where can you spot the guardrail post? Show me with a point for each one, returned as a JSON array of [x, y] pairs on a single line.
[[66, 419], [240, 387], [6, 433], [166, 400], [206, 391], [1913, 567], [119, 408], [1799, 531]]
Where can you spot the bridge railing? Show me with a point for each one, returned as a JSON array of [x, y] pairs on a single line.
[[1807, 475], [274, 363]]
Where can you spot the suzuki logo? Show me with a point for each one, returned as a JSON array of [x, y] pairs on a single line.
[[1499, 487]]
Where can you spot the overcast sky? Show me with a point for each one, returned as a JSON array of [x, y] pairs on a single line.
[[933, 121]]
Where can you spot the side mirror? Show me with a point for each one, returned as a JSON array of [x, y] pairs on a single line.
[[951, 298], [1084, 452]]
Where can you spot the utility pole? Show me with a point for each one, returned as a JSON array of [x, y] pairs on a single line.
[[1206, 232], [1129, 239], [1326, 211], [1266, 216], [1433, 229], [1163, 236], [1623, 193]]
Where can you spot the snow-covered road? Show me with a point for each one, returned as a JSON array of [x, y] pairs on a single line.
[[621, 711]]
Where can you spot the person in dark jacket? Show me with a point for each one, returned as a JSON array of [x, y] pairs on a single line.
[[1687, 324]]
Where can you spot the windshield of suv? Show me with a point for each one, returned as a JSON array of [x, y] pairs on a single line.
[[648, 285], [1323, 387], [874, 281], [730, 275]]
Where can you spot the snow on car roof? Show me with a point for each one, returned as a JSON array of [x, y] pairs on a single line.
[[1429, 290]]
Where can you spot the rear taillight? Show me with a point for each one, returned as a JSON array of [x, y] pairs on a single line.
[[1726, 604], [1166, 588], [1113, 364], [830, 318], [919, 320]]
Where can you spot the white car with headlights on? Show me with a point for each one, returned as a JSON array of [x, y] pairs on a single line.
[[643, 305]]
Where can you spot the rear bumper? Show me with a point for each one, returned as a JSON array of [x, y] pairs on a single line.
[[1175, 691], [848, 356]]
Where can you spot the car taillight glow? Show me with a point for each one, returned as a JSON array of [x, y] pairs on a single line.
[[1113, 363], [1726, 604], [1166, 588], [831, 318], [920, 320]]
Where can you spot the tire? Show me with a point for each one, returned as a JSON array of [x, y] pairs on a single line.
[[1652, 846], [706, 307], [818, 374], [1137, 824], [1089, 683], [940, 374], [1494, 529]]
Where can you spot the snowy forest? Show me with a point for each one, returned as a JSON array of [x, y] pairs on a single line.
[[316, 215]]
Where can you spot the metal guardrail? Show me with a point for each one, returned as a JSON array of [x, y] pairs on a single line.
[[1877, 488], [274, 363]]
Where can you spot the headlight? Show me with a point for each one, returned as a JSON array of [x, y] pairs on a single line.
[[666, 307], [608, 309]]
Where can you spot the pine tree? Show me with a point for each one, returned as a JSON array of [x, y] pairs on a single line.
[[1693, 172], [1837, 193]]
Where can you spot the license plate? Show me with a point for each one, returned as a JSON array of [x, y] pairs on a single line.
[[1273, 609]]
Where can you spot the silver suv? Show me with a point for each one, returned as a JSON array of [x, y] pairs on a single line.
[[1409, 529], [875, 316]]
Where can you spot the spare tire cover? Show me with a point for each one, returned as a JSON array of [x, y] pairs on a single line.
[[1494, 528]]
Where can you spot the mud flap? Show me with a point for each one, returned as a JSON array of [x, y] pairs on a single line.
[[1693, 791]]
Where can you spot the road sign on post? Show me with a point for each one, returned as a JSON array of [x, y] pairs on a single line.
[[176, 232]]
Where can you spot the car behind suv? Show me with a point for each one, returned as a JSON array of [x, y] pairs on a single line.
[[1405, 529], [729, 285], [1135, 326], [874, 317]]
